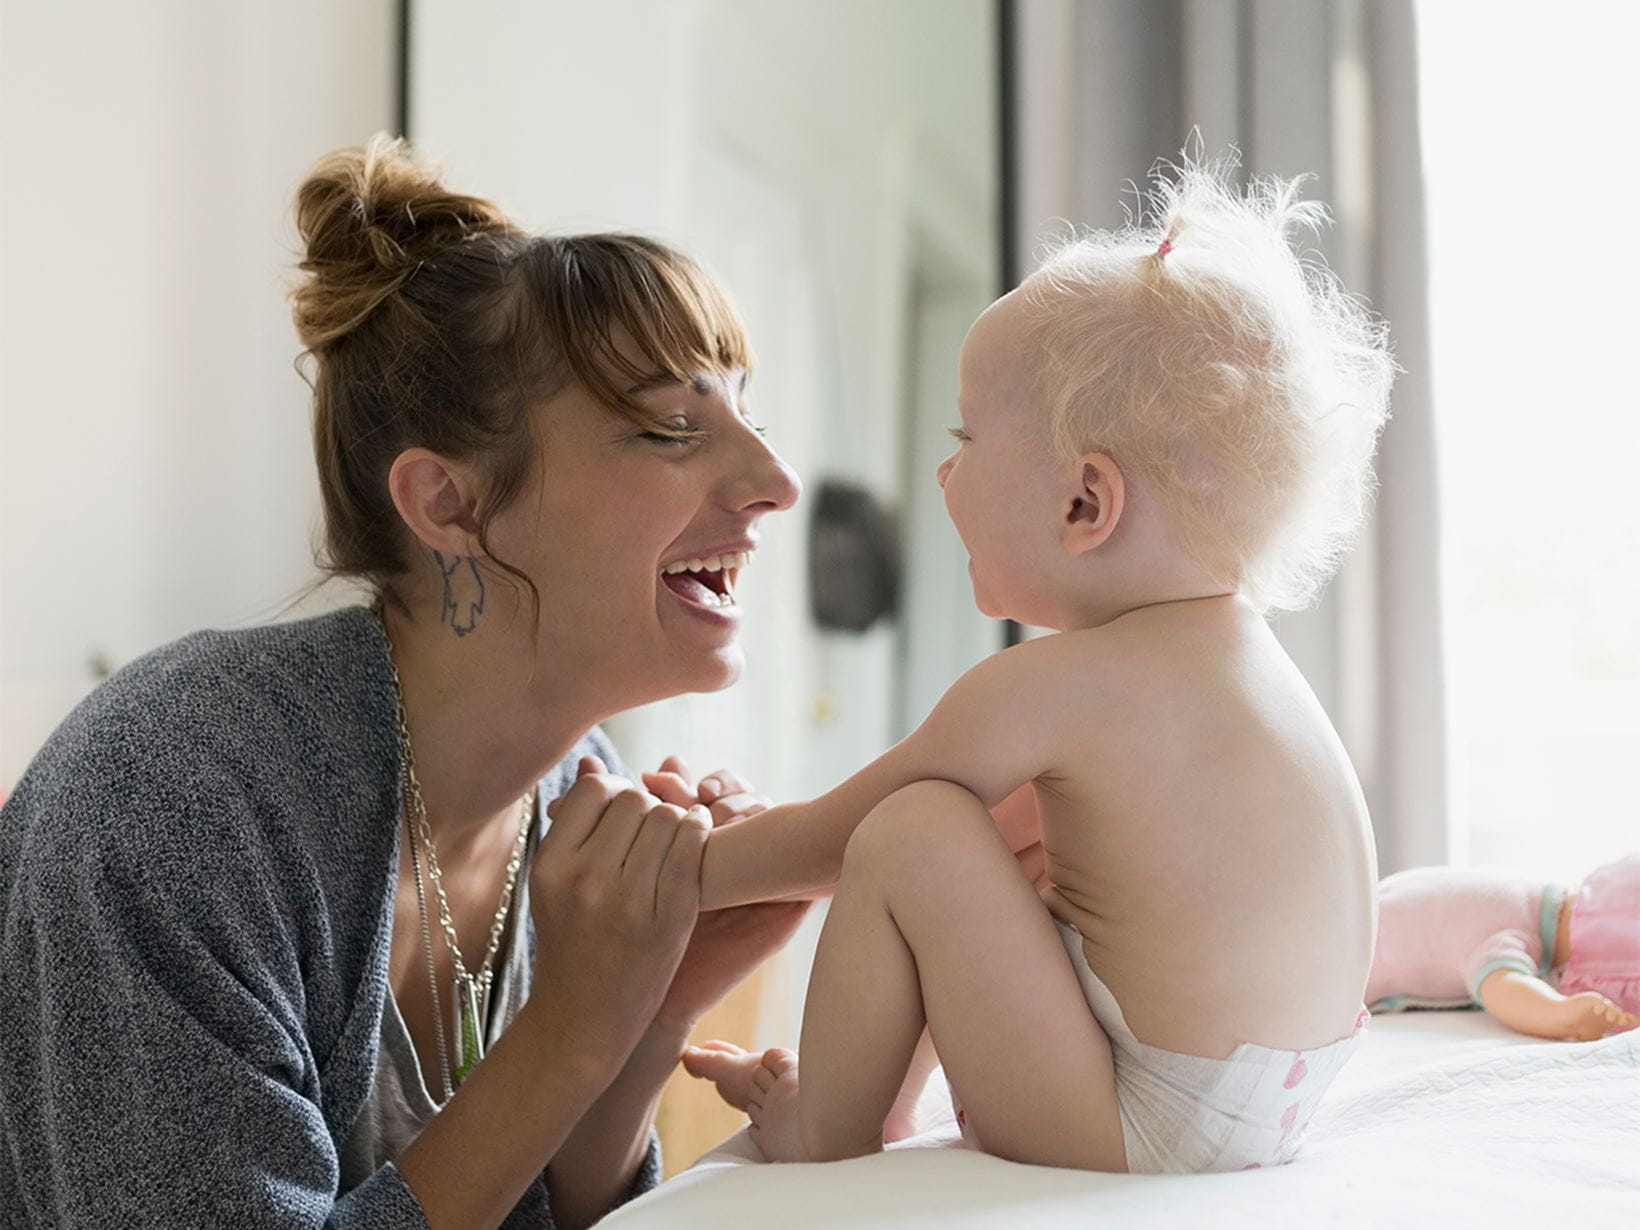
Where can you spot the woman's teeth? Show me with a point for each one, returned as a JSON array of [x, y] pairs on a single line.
[[727, 567], [712, 563]]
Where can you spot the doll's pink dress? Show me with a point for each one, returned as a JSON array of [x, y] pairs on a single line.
[[1605, 935], [1443, 930]]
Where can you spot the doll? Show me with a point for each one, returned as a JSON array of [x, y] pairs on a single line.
[[1542, 959]]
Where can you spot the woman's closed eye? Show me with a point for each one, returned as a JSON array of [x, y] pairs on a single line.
[[677, 432], [958, 434]]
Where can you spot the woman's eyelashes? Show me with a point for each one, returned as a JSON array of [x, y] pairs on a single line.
[[681, 431], [958, 434], [675, 431]]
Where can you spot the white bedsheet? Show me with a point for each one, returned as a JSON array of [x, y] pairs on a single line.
[[1442, 1119]]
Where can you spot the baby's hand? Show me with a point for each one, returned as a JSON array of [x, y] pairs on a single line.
[[1589, 1015]]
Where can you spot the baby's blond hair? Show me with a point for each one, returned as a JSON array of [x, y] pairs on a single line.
[[1238, 377]]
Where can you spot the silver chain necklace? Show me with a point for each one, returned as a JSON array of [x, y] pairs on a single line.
[[470, 992]]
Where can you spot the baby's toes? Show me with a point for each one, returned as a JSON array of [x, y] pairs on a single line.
[[778, 1061], [711, 1060], [718, 1044], [728, 1067]]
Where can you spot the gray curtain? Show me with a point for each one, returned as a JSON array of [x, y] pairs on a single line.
[[1321, 86]]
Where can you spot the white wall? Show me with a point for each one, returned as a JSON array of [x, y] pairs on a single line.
[[153, 435]]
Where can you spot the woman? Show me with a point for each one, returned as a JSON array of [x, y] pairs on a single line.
[[268, 896]]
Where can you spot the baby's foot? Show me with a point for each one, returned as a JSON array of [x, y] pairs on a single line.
[[764, 1086], [1590, 1015], [776, 1126], [726, 1066]]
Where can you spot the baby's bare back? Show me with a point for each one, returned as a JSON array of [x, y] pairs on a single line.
[[1208, 832]]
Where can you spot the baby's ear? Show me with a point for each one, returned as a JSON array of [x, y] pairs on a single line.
[[1095, 505]]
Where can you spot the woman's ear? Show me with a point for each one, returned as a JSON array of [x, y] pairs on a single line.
[[1096, 503], [436, 499]]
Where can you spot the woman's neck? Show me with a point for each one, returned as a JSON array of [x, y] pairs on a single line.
[[479, 736]]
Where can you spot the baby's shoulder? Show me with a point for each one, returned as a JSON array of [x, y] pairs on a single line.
[[1113, 658], [1084, 660]]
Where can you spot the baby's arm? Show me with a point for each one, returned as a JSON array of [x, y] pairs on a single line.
[[1529, 1005], [991, 733]]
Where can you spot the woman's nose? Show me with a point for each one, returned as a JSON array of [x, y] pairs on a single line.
[[768, 484], [944, 470]]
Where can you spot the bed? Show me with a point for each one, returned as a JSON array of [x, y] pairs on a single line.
[[1443, 1118]]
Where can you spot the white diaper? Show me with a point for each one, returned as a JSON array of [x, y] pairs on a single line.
[[1186, 1114]]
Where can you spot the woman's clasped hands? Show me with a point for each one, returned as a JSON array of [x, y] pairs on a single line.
[[615, 890]]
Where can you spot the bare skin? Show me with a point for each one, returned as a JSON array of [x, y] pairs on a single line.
[[1197, 820]]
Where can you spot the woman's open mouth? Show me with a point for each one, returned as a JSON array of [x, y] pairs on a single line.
[[708, 582]]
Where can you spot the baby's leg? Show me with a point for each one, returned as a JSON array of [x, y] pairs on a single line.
[[933, 922], [902, 1120]]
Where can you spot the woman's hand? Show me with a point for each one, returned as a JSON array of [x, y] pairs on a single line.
[[727, 944], [614, 892]]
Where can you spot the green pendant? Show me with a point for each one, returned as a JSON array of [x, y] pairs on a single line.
[[469, 1034]]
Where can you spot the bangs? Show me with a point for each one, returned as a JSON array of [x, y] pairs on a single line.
[[630, 311]]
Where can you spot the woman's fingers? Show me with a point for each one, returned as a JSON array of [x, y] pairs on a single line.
[[677, 888], [610, 843], [576, 813], [642, 869]]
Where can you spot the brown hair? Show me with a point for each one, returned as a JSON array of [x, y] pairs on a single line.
[[432, 320]]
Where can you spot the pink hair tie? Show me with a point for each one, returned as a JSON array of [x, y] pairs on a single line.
[[1163, 248]]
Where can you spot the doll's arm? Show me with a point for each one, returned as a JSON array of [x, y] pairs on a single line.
[[990, 734], [1531, 1006]]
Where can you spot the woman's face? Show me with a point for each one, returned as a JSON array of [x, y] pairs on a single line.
[[614, 517]]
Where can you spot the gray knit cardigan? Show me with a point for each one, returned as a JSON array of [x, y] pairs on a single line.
[[196, 894]]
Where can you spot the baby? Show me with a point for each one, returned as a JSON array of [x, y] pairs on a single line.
[[1165, 432]]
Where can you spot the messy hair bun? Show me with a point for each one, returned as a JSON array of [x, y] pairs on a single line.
[[434, 321], [369, 219]]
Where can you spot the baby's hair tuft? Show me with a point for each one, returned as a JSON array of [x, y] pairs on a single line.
[[1232, 372]]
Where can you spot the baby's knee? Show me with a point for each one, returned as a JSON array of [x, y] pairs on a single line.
[[914, 823]]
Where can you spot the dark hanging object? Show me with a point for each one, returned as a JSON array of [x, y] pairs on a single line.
[[854, 558]]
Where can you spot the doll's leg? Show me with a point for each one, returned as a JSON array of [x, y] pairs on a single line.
[[932, 921]]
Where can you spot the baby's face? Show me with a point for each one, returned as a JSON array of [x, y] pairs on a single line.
[[1002, 484]]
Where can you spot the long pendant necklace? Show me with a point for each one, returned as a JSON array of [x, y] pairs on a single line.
[[470, 991]]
